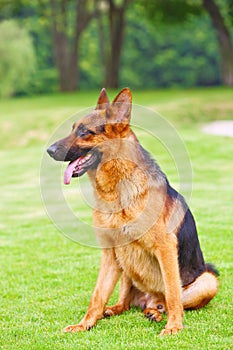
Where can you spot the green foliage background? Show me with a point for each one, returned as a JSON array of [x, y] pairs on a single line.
[[164, 56], [17, 58], [156, 53]]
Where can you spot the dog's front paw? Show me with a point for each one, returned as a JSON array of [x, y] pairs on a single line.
[[77, 328], [115, 310], [170, 331]]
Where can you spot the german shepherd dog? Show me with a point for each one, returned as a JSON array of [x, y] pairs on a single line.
[[146, 230]]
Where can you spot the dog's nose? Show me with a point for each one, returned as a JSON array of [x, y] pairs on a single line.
[[52, 150]]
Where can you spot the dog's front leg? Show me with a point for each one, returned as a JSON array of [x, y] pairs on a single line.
[[108, 276], [124, 300], [167, 255]]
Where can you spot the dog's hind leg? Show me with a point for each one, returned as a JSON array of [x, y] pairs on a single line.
[[155, 306], [200, 292]]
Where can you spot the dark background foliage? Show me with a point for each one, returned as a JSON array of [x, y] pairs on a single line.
[[77, 44]]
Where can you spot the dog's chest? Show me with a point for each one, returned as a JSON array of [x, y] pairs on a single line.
[[141, 267]]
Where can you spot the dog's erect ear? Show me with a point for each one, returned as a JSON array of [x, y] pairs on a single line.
[[103, 100], [121, 106]]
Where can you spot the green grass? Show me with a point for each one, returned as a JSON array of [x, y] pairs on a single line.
[[46, 280]]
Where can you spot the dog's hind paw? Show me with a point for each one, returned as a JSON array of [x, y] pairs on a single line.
[[153, 314], [109, 312]]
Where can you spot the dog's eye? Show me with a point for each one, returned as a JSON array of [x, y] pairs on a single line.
[[83, 131], [101, 128], [160, 307]]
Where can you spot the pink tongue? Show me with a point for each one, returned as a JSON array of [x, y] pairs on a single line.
[[69, 171]]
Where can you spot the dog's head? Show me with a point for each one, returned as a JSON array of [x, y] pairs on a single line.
[[84, 146]]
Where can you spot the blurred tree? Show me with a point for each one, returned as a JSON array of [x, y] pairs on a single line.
[[57, 27], [161, 51], [116, 11], [170, 11], [178, 11], [35, 17], [224, 38], [17, 59], [164, 57], [66, 32]]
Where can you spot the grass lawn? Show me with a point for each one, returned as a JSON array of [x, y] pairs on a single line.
[[46, 280]]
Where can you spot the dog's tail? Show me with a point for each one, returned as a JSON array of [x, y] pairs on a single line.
[[212, 269]]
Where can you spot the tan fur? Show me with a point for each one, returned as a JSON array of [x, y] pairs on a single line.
[[200, 292]]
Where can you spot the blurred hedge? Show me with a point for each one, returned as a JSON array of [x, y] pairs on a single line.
[[17, 59]]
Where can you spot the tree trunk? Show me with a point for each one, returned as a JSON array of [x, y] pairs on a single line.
[[65, 59], [102, 48], [66, 49], [224, 41], [67, 63], [116, 17]]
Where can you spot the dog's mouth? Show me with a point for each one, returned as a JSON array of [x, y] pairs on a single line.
[[80, 165]]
